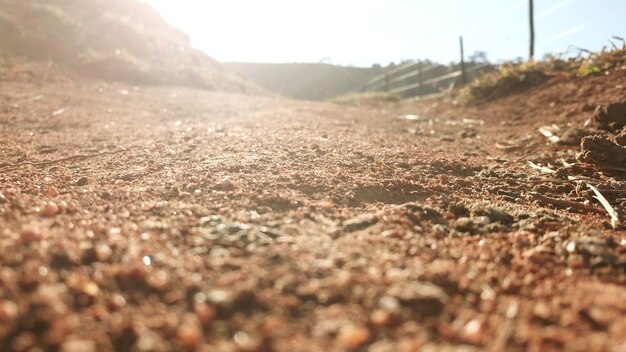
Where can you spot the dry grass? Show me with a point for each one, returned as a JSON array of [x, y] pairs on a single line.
[[365, 99], [513, 78]]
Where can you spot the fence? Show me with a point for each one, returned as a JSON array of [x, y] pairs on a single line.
[[414, 79]]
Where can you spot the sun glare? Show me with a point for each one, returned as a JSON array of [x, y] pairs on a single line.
[[269, 31]]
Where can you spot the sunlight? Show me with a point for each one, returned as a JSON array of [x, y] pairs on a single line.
[[270, 30], [376, 31]]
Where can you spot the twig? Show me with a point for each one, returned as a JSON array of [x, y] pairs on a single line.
[[543, 180], [560, 203], [507, 147], [543, 169], [615, 218], [8, 167]]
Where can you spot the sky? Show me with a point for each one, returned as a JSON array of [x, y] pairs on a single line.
[[364, 32]]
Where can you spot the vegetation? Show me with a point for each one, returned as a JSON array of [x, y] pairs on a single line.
[[311, 81], [122, 40], [516, 77]]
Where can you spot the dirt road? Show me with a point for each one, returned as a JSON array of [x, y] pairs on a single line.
[[157, 219]]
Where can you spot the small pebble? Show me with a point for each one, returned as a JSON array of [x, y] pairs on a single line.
[[382, 318], [103, 252], [51, 209], [91, 289], [226, 184], [8, 311], [52, 192], [353, 337], [189, 335], [78, 346], [205, 313], [83, 181], [30, 236], [473, 332]]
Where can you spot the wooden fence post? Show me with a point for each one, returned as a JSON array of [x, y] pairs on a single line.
[[387, 82], [463, 75], [420, 78], [531, 18]]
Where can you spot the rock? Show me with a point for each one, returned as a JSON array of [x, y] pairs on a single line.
[[611, 117], [424, 297], [83, 181], [360, 222]]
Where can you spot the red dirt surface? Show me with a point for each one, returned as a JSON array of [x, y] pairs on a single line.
[[161, 219]]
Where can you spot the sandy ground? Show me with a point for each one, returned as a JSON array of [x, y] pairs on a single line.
[[160, 219]]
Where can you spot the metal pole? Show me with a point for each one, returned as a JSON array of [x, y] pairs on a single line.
[[531, 17], [463, 75]]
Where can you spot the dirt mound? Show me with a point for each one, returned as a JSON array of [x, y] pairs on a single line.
[[611, 117], [114, 40]]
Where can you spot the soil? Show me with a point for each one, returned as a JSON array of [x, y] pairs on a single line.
[[173, 219]]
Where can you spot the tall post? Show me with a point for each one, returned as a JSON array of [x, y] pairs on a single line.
[[463, 75], [531, 18], [420, 79], [387, 88]]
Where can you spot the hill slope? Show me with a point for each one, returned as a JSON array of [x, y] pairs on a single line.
[[121, 40], [314, 81]]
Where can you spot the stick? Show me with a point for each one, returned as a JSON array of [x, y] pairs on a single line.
[[560, 203], [615, 218], [543, 180]]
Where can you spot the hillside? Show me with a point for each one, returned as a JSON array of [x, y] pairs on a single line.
[[311, 81], [122, 40]]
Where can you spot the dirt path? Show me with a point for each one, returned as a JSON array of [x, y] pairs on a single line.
[[172, 219]]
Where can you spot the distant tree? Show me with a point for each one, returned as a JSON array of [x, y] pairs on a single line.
[[377, 68], [479, 57], [326, 60]]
